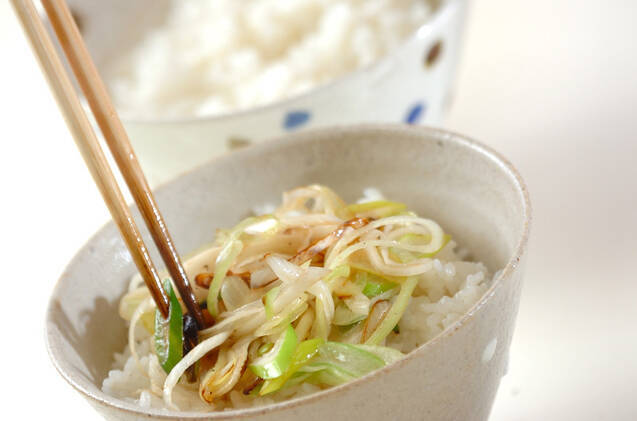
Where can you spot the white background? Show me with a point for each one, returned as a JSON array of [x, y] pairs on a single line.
[[551, 84]]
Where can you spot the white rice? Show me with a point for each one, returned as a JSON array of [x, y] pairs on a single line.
[[217, 56]]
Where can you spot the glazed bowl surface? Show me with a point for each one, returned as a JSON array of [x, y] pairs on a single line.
[[474, 193]]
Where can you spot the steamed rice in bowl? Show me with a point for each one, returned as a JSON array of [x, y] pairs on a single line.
[[212, 57], [393, 281]]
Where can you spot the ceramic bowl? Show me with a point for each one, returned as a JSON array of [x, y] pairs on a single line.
[[473, 192], [412, 84]]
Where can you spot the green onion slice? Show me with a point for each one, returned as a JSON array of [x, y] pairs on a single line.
[[276, 361], [344, 316], [337, 363], [169, 337], [226, 258], [304, 352], [405, 256], [376, 209], [373, 285], [395, 312], [268, 301]]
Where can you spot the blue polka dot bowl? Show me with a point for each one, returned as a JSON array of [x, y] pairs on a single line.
[[413, 84]]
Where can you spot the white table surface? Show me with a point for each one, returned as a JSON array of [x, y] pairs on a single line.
[[551, 84]]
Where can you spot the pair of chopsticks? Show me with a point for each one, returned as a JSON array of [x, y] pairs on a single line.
[[113, 131]]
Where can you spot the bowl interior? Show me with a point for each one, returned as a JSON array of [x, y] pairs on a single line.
[[470, 191]]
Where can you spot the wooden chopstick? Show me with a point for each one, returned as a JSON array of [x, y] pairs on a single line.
[[117, 140], [89, 147], [115, 135]]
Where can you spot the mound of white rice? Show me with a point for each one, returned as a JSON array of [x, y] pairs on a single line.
[[217, 56]]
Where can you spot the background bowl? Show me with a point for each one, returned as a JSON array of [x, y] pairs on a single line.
[[412, 84], [470, 190]]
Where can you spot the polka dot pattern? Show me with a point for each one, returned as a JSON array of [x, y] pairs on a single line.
[[295, 119], [415, 113]]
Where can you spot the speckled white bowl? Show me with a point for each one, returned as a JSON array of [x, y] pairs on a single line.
[[472, 191], [401, 87]]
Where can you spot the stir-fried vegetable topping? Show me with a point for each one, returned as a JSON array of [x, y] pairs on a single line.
[[374, 285], [395, 312], [304, 352], [226, 258], [377, 209], [273, 363], [338, 363], [268, 301], [169, 339], [309, 294]]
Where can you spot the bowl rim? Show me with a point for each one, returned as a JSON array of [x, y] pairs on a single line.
[[439, 14], [431, 134]]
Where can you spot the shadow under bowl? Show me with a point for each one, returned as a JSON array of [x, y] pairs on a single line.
[[474, 193]]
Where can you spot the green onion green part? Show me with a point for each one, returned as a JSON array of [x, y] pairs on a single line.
[[169, 339], [276, 361], [304, 352]]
